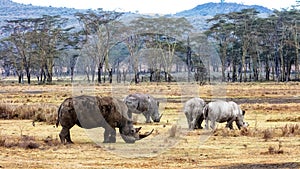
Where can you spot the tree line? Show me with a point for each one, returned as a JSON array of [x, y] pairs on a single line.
[[243, 45], [255, 48]]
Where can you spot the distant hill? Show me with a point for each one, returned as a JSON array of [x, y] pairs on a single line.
[[198, 15], [10, 10], [211, 9]]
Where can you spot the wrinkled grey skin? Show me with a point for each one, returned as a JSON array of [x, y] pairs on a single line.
[[222, 111], [93, 111], [193, 110], [143, 104]]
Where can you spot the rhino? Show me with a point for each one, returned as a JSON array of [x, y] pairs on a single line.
[[143, 104], [94, 111], [193, 110], [222, 111]]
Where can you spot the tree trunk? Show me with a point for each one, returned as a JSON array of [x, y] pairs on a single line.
[[267, 67], [255, 67], [234, 78], [124, 75], [110, 75], [244, 66], [99, 73], [28, 77], [20, 76], [297, 47], [223, 60], [72, 74], [282, 65], [28, 74]]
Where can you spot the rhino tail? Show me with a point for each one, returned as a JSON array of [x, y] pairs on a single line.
[[58, 116]]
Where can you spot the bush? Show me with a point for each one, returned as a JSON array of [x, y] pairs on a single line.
[[35, 112]]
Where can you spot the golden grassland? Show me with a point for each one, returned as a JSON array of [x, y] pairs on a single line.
[[271, 141]]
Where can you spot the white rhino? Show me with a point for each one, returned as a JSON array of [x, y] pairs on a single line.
[[222, 111], [94, 111], [193, 110], [143, 104]]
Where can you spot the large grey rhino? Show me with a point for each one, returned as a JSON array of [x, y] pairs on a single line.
[[193, 110], [222, 111], [143, 104], [93, 111]]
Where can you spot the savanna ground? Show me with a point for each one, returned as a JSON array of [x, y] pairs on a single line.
[[271, 141]]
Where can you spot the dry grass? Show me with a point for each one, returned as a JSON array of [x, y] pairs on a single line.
[[271, 140]]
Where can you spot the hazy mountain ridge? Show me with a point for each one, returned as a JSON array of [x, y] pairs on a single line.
[[198, 15], [211, 9], [10, 10]]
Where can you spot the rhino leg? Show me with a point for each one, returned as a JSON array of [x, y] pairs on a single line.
[[229, 123], [109, 135], [188, 118], [147, 116], [212, 124], [199, 122], [206, 124], [65, 136], [192, 125]]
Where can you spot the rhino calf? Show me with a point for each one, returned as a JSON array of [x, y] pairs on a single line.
[[143, 104], [193, 110], [93, 111], [222, 111]]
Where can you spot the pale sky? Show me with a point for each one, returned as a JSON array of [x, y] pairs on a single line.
[[150, 6]]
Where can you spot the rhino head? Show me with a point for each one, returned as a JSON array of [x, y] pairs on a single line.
[[155, 116], [240, 120], [131, 134]]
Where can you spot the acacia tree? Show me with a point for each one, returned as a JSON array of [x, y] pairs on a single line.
[[203, 54], [221, 31], [19, 44], [34, 43], [245, 30], [133, 40], [293, 21], [98, 27], [164, 34]]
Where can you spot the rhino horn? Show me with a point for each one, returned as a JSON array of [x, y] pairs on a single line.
[[138, 129], [160, 116], [141, 136]]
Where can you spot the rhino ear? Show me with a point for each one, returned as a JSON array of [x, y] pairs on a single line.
[[243, 111]]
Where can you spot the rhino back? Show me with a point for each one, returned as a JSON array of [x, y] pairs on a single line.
[[194, 106], [137, 103], [236, 109], [89, 112], [220, 111]]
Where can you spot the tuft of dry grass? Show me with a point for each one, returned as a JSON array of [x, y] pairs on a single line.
[[290, 130], [287, 119], [26, 142], [173, 130], [6, 111], [273, 150], [51, 142], [268, 134], [37, 112]]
